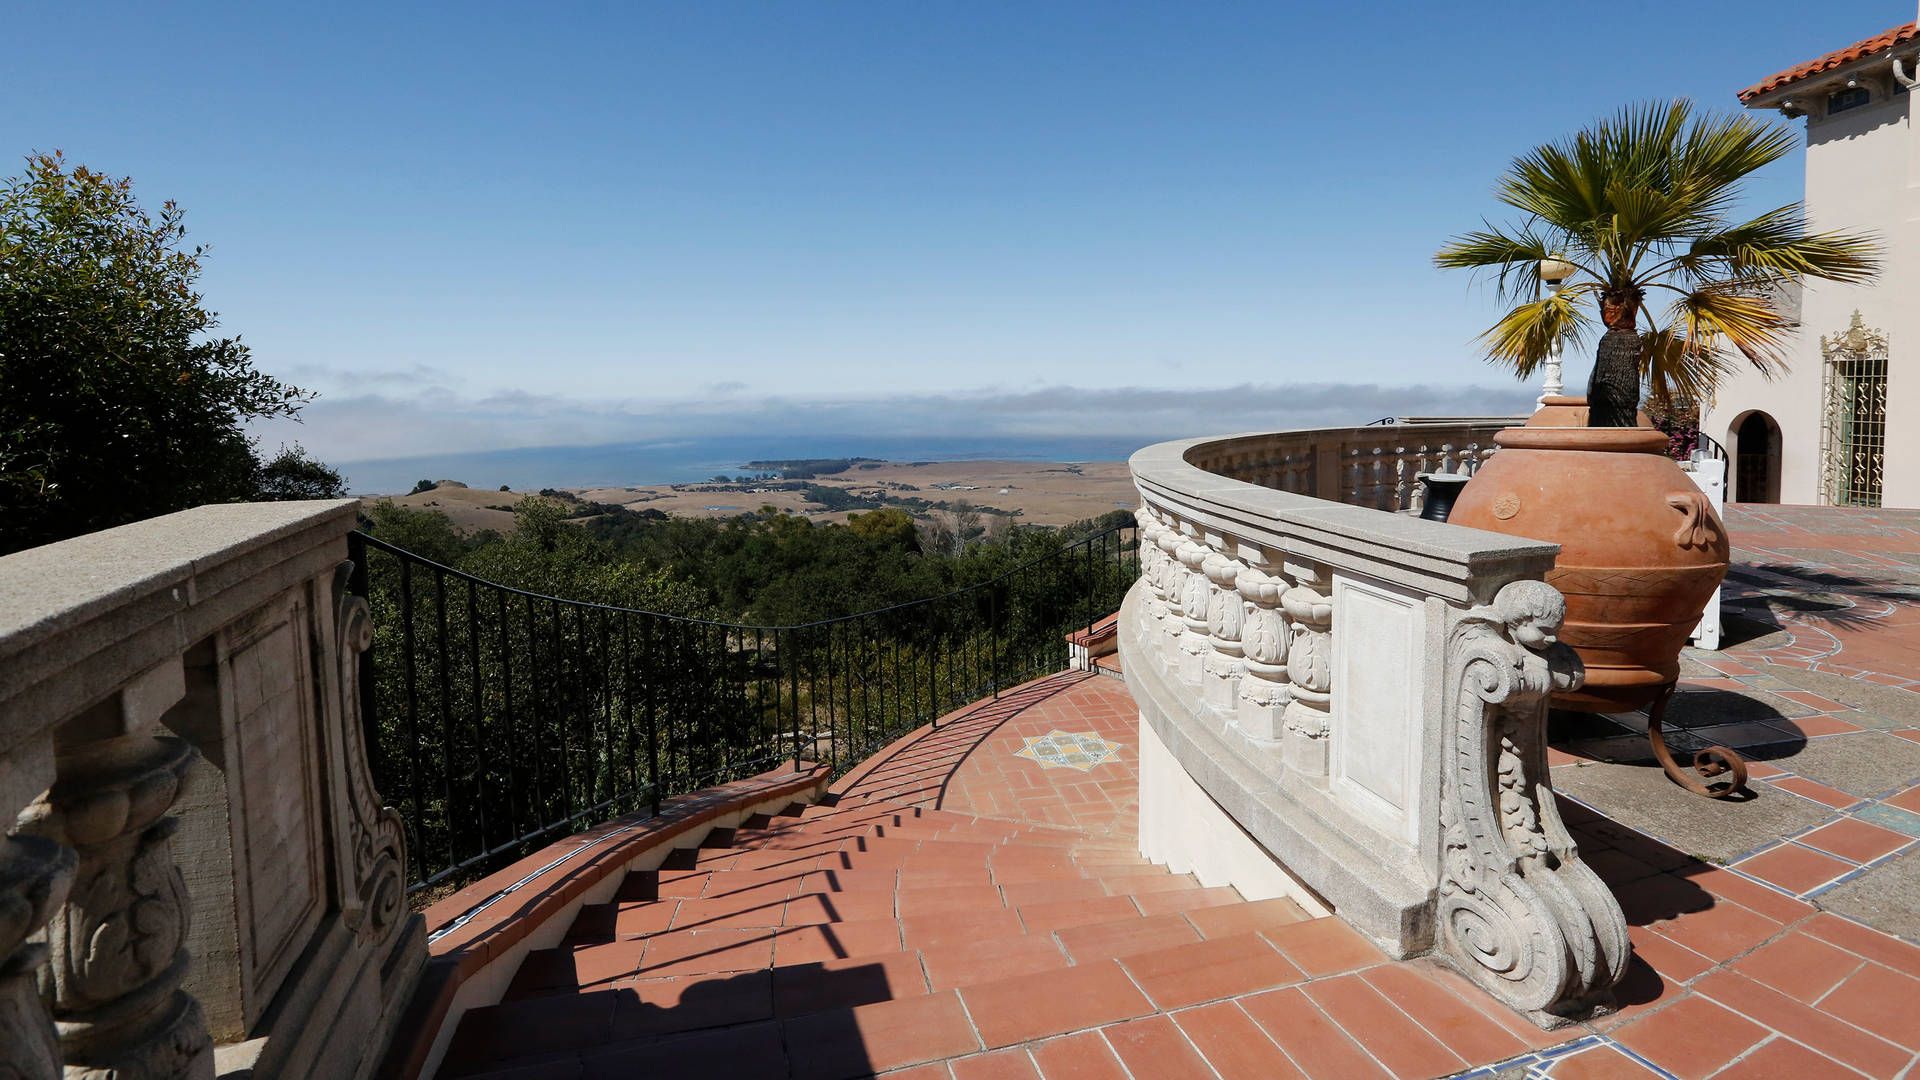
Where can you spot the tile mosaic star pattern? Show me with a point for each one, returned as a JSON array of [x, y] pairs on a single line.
[[1064, 750]]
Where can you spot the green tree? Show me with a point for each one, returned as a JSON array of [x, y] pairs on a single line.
[[1640, 203], [291, 474], [116, 404]]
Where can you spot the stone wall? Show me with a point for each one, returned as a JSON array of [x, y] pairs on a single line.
[[200, 879], [1364, 694]]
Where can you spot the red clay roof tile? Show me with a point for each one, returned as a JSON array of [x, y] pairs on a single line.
[[1886, 39]]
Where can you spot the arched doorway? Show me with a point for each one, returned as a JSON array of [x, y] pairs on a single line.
[[1756, 459]]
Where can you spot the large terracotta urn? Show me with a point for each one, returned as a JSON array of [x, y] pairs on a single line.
[[1641, 549]]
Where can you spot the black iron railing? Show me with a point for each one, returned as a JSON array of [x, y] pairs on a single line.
[[498, 719]]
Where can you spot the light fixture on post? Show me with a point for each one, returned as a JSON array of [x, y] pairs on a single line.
[[1554, 272]]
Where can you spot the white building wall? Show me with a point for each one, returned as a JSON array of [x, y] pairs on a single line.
[[1863, 173]]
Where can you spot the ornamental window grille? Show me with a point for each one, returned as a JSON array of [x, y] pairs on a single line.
[[1851, 98], [1853, 443]]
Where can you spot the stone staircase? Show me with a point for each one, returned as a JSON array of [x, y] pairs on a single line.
[[848, 939]]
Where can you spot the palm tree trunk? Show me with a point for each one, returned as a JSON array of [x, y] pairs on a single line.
[[1613, 391]]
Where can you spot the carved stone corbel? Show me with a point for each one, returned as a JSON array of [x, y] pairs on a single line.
[[35, 874], [375, 905], [1154, 604], [1309, 609], [1264, 692], [118, 945], [1519, 911], [1226, 612]]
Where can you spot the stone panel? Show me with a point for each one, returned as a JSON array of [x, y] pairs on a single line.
[[1377, 691]]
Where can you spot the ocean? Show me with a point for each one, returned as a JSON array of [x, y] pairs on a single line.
[[633, 464]]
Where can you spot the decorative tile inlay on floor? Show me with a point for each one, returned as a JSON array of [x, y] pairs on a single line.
[[1062, 750]]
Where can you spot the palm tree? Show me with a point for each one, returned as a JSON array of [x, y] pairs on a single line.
[[1637, 204]]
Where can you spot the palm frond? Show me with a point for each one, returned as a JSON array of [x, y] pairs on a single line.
[[1514, 258], [1525, 336], [1718, 316]]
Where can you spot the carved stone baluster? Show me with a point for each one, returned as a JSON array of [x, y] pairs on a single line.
[[1173, 585], [1401, 480], [1225, 616], [1446, 458], [1470, 461], [1377, 498], [35, 874], [1264, 692], [1154, 604], [1417, 491], [1195, 594], [118, 945], [1309, 608], [1519, 911]]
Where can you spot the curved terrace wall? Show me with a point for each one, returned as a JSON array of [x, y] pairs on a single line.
[[1345, 686]]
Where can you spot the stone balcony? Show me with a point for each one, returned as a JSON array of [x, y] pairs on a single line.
[[1235, 862]]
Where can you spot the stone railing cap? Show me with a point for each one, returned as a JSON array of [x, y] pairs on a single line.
[[51, 588], [1165, 466]]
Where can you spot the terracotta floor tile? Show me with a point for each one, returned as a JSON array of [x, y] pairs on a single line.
[[752, 1052], [936, 1070], [1085, 1056], [991, 958], [1906, 800], [1794, 868], [599, 965], [1600, 1063], [1391, 1036], [1804, 1024], [1210, 970], [1052, 891], [704, 951], [1782, 1059], [1154, 1046], [872, 1038], [1721, 932], [1014, 1064], [1187, 899], [1856, 840], [1226, 920], [1462, 1026], [1799, 965], [1149, 884], [639, 920], [732, 911], [833, 941], [835, 984], [1059, 914], [662, 1006], [1315, 1043], [1866, 941], [933, 931], [1667, 957], [936, 901], [1724, 884], [537, 1025], [1125, 937], [1024, 1007], [865, 906], [1234, 1045], [1692, 1038], [1321, 946], [1881, 1000], [1819, 793]]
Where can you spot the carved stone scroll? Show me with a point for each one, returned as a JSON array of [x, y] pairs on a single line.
[[1264, 692], [1173, 582], [1519, 911], [118, 945], [375, 904], [35, 874], [1226, 612], [1309, 609], [1155, 603]]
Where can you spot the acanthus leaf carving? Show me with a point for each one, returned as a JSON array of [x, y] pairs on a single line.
[[35, 876], [1518, 910]]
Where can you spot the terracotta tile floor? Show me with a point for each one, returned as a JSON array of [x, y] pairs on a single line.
[[961, 912]]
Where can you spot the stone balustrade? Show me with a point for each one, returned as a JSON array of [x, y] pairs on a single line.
[[1377, 466], [1348, 706], [200, 878]]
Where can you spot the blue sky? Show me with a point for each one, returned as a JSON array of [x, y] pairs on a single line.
[[477, 226]]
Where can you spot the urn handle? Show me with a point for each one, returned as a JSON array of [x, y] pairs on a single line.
[[1696, 518]]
